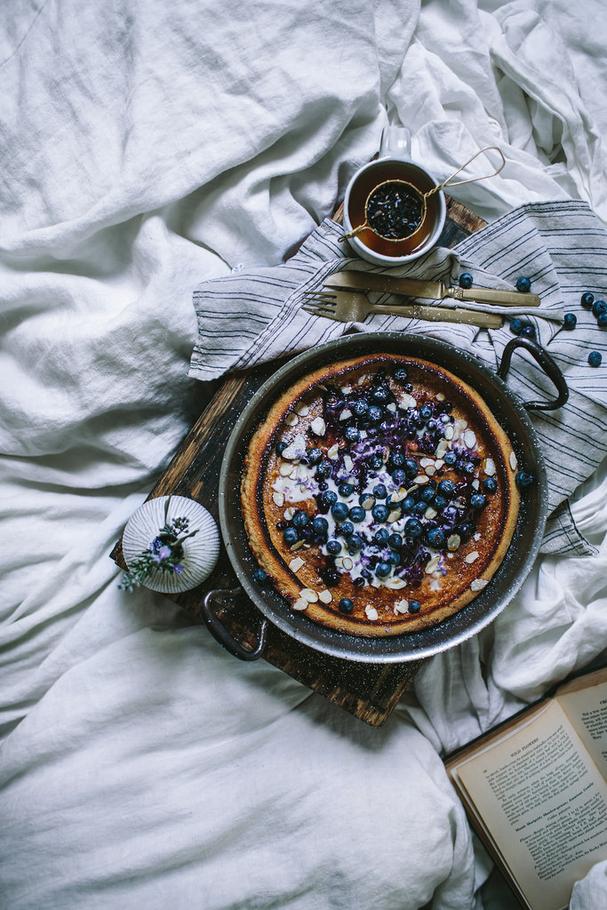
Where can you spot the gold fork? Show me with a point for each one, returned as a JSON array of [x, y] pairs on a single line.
[[353, 306]]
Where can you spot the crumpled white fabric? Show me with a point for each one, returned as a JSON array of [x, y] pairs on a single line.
[[146, 147]]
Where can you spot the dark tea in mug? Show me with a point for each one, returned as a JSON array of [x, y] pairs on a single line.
[[376, 174]]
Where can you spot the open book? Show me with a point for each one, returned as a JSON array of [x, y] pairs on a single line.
[[535, 790]]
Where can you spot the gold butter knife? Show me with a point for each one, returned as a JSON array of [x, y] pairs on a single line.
[[351, 279]]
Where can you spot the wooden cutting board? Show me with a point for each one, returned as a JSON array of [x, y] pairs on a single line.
[[369, 691]]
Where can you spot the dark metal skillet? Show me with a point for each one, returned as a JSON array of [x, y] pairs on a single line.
[[511, 412]]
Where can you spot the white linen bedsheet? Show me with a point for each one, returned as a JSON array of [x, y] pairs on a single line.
[[145, 147]]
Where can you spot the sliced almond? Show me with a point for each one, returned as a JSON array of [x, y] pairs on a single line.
[[288, 514], [438, 464], [478, 584], [513, 461], [449, 431], [475, 484], [291, 420], [345, 414], [424, 462], [407, 401], [297, 546], [440, 396], [368, 502], [333, 452], [318, 426], [430, 512], [325, 597], [421, 479], [430, 470], [348, 463], [401, 606], [346, 389], [469, 439], [393, 516], [477, 536], [303, 410], [278, 498], [472, 557], [395, 583], [309, 595], [371, 613], [347, 563], [489, 467], [432, 566], [435, 585], [296, 564], [453, 542], [300, 604], [391, 407], [441, 448]]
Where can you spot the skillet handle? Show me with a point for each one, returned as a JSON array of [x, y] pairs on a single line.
[[222, 635], [547, 363]]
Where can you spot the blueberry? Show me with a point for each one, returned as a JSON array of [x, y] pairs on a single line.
[[587, 299], [465, 280], [465, 530], [478, 501], [425, 411], [598, 307], [420, 508], [346, 529], [333, 547], [602, 320], [595, 358], [330, 577], [323, 485], [307, 533], [490, 485], [447, 488], [381, 536], [450, 514], [345, 489], [395, 541], [314, 456], [300, 519], [346, 605], [407, 503], [351, 434], [524, 479], [320, 525], [358, 582], [468, 467], [290, 536], [414, 528], [394, 558], [324, 470], [517, 325], [401, 375], [399, 477], [439, 502], [375, 414], [380, 513], [260, 576], [397, 460], [569, 321], [280, 447], [376, 462], [523, 284], [411, 467], [450, 458], [357, 514], [381, 394], [359, 407], [379, 490], [340, 511], [528, 331], [436, 538], [414, 606], [427, 494], [355, 543], [383, 569]]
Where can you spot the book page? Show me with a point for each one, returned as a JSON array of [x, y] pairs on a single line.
[[544, 803], [586, 709]]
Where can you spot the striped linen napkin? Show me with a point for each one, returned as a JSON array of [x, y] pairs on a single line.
[[251, 317]]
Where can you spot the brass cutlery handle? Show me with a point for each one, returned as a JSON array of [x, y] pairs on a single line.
[[440, 314], [491, 295]]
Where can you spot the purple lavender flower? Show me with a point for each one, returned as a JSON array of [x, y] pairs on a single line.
[[164, 552], [178, 568]]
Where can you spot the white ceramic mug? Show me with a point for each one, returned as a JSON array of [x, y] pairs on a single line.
[[395, 146]]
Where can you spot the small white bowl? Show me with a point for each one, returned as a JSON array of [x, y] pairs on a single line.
[[200, 552]]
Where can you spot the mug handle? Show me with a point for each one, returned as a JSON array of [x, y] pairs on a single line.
[[395, 142]]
